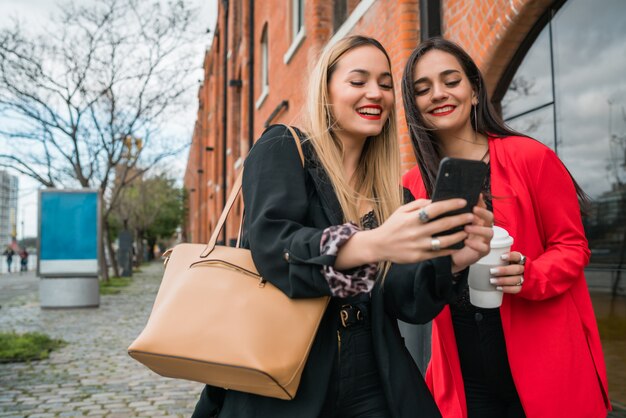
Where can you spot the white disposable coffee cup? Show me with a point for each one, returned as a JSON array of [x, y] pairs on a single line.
[[482, 293]]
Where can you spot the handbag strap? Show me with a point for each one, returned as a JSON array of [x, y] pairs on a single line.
[[299, 146], [233, 197]]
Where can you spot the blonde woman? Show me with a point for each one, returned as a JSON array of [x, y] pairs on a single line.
[[314, 231]]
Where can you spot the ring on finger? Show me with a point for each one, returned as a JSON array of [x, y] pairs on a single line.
[[423, 216], [521, 281], [522, 259], [435, 244]]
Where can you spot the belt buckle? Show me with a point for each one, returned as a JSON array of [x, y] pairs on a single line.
[[343, 314]]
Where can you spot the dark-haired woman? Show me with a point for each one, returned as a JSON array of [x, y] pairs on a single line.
[[539, 354]]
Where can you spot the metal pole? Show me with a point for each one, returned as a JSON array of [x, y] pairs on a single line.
[[556, 138]]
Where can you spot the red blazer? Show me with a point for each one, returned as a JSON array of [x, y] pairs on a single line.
[[550, 328]]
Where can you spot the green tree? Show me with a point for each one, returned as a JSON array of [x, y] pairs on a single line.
[[152, 208]]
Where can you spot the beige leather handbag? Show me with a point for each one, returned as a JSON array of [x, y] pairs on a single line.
[[215, 320]]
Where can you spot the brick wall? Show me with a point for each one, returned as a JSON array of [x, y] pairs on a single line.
[[491, 31]]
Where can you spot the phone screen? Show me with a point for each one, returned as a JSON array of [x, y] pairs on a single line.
[[459, 178]]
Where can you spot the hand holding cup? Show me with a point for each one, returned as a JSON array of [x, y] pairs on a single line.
[[509, 278]]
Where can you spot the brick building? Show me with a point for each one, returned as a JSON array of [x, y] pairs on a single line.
[[550, 78], [251, 81]]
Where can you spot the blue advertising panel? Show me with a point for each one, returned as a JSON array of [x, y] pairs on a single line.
[[68, 233]]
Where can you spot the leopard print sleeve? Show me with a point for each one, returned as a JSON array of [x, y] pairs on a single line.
[[348, 282]]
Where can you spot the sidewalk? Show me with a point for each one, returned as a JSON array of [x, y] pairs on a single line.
[[93, 375], [18, 288]]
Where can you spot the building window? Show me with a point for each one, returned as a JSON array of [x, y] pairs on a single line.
[[297, 29], [265, 85], [569, 93], [265, 58], [529, 104], [340, 13], [341, 10], [346, 14], [297, 17]]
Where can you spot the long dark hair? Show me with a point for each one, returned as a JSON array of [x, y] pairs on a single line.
[[425, 143]]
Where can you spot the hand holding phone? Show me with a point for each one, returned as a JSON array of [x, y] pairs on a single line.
[[459, 178]]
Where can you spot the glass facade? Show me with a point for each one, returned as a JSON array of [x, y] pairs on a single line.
[[569, 92]]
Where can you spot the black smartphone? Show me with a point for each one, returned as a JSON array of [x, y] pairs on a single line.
[[459, 178]]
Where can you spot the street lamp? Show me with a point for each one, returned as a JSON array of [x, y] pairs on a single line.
[[13, 224], [23, 217]]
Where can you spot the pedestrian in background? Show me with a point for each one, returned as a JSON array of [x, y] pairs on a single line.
[[9, 253], [338, 227], [24, 260], [539, 354]]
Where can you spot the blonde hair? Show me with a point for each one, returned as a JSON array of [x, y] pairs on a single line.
[[378, 175]]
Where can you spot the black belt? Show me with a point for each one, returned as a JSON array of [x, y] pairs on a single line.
[[352, 314]]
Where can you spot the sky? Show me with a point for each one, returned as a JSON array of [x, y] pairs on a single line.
[[36, 13]]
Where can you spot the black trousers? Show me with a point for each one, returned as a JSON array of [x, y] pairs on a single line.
[[489, 387], [355, 389]]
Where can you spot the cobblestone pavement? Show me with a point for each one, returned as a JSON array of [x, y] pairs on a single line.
[[18, 288], [93, 375]]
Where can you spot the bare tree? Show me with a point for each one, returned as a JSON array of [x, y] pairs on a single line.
[[84, 103], [522, 88]]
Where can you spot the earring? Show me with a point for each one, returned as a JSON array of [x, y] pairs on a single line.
[[475, 109]]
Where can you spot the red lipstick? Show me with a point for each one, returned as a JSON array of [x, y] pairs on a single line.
[[445, 113], [370, 116]]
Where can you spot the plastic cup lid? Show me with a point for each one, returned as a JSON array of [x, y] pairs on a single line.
[[501, 238]]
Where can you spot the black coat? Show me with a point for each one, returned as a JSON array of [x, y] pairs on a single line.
[[287, 208]]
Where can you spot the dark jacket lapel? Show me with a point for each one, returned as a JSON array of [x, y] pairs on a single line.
[[322, 183], [330, 204]]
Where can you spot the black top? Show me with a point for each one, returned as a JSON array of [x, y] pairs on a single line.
[[462, 303]]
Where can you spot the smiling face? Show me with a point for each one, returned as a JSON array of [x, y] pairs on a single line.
[[444, 95], [360, 91]]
